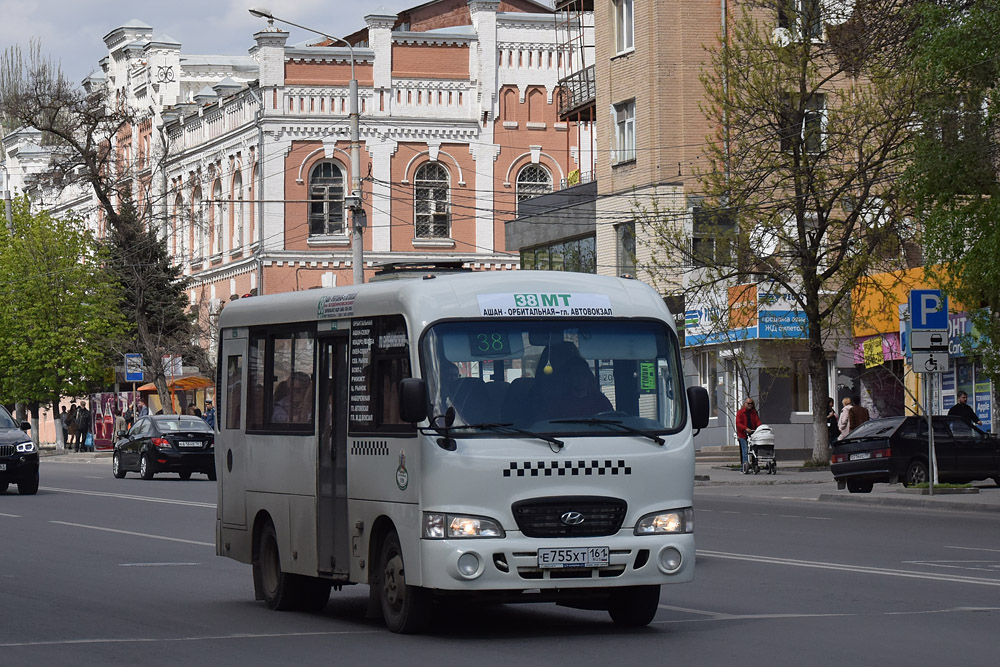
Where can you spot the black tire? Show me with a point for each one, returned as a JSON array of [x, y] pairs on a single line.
[[756, 468], [146, 467], [916, 473], [314, 593], [28, 487], [634, 606], [211, 476], [860, 487], [279, 589], [116, 467], [772, 468], [185, 474], [406, 609]]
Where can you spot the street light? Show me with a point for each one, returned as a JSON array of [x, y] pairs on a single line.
[[358, 219]]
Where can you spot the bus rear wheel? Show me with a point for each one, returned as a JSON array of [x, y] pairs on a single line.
[[278, 589], [634, 606], [406, 609]]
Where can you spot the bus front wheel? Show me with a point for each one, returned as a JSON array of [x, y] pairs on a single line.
[[406, 609], [634, 606]]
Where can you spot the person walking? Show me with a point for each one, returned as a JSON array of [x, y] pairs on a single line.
[[747, 420], [844, 422], [860, 414], [82, 427], [832, 421], [964, 410]]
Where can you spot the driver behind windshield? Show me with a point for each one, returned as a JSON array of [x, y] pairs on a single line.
[[576, 392]]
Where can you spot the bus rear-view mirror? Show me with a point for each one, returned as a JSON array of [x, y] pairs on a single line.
[[412, 400], [698, 402]]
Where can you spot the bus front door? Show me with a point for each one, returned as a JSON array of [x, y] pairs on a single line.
[[332, 535]]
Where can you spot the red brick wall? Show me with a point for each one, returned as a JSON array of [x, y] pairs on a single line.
[[323, 73], [430, 60]]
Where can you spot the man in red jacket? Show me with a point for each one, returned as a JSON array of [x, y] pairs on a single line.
[[747, 419]]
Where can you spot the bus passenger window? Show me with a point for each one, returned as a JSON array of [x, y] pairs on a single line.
[[234, 391]]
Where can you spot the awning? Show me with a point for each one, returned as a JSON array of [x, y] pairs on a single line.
[[183, 384]]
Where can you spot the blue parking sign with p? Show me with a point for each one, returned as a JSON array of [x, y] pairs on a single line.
[[928, 310]]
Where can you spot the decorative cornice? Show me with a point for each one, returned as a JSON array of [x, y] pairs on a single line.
[[437, 39]]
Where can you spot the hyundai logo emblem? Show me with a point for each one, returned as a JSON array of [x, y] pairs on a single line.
[[572, 518]]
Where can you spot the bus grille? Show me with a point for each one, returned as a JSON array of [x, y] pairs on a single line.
[[543, 517], [6, 450]]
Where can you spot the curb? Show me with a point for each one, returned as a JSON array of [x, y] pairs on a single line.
[[908, 502]]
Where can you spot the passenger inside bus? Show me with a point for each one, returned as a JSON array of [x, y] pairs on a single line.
[[577, 393]]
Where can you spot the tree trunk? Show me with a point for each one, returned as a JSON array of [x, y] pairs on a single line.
[[57, 419], [819, 382]]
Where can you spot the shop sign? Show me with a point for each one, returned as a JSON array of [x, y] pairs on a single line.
[[874, 355]]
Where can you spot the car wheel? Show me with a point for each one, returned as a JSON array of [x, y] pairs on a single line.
[[184, 475], [28, 487], [145, 467], [916, 473], [405, 608], [278, 589], [860, 487], [116, 467], [634, 606]]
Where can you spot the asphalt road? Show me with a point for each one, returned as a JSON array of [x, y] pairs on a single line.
[[98, 571]]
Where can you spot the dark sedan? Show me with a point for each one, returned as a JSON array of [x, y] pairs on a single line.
[[895, 449], [166, 443], [18, 456]]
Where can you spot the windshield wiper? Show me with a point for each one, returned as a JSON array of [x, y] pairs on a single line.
[[510, 428], [612, 422]]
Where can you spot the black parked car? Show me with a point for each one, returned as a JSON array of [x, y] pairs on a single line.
[[18, 456], [894, 449], [166, 443]]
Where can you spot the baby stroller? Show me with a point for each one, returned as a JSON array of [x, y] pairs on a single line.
[[760, 454]]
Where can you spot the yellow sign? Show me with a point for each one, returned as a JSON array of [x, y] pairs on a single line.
[[573, 178], [873, 352]]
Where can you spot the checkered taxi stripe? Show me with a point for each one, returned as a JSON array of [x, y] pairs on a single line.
[[563, 468], [370, 448]]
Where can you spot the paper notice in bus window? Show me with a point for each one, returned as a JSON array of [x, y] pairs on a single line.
[[545, 304]]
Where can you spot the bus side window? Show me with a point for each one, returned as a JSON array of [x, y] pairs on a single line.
[[234, 391]]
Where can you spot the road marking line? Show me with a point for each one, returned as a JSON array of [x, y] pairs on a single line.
[[154, 564], [12, 516], [996, 551], [151, 640], [758, 617], [820, 518], [123, 496], [129, 532], [859, 569]]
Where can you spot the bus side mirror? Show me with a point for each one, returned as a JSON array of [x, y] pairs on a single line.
[[412, 400], [698, 402]]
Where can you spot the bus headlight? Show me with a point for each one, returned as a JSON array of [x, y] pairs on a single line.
[[666, 522], [438, 526], [26, 447]]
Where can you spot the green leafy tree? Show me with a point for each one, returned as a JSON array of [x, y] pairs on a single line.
[[61, 312], [814, 118], [953, 179]]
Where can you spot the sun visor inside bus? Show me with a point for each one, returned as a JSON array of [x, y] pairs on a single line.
[[618, 345], [486, 343]]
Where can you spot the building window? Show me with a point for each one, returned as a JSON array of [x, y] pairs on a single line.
[[431, 211], [326, 199], [625, 132], [180, 229], [198, 225], [800, 387], [804, 124], [532, 181], [238, 213], [577, 255], [711, 232], [625, 241], [219, 215], [708, 377], [624, 26], [801, 18]]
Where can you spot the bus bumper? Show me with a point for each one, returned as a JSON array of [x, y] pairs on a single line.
[[512, 564]]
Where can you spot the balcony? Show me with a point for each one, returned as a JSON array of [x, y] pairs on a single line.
[[577, 95]]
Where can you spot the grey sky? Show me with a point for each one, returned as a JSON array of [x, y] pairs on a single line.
[[72, 31]]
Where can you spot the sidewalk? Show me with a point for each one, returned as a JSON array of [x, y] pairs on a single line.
[[50, 453], [792, 481]]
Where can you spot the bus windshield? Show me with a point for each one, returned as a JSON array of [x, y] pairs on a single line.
[[589, 377]]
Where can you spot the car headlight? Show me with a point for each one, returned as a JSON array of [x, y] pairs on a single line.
[[25, 447], [438, 526], [666, 522]]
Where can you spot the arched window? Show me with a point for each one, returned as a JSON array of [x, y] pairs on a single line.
[[197, 225], [431, 211], [218, 217], [532, 180], [326, 199], [180, 229], [238, 212]]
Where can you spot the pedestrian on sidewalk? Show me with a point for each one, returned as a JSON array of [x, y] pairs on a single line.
[[747, 420], [82, 428], [832, 421], [844, 423], [964, 410]]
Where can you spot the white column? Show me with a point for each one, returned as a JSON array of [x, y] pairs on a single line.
[[381, 153]]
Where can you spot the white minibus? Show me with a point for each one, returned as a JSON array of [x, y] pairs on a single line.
[[501, 436]]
